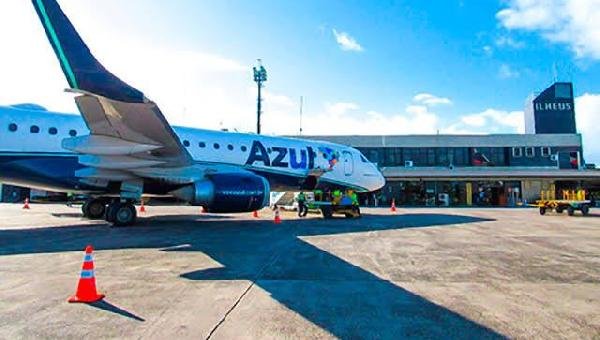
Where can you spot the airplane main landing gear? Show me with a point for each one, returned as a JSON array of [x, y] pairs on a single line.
[[94, 208], [121, 214]]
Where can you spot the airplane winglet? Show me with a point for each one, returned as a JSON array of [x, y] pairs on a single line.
[[81, 68]]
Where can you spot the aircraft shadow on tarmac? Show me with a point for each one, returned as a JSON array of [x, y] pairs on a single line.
[[341, 298]]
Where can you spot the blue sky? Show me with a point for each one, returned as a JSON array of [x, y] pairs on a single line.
[[363, 67]]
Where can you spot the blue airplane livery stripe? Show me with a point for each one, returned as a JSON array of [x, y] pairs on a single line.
[[56, 43], [82, 70]]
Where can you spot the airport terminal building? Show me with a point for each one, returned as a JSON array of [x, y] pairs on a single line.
[[484, 170]]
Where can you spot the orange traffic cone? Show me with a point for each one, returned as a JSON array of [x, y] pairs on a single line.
[[277, 219], [393, 207], [26, 205], [86, 288], [142, 207], [255, 214]]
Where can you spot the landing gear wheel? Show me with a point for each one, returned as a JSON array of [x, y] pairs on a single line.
[[327, 212], [84, 208], [570, 211], [542, 210], [121, 214], [94, 208], [356, 212], [111, 211], [585, 209]]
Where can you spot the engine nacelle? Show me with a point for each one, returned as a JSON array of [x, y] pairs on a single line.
[[227, 193]]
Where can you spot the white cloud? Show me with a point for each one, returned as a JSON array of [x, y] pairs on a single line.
[[346, 118], [341, 108], [506, 41], [489, 121], [571, 22], [346, 42], [506, 72], [415, 119], [587, 108], [431, 100], [488, 50]]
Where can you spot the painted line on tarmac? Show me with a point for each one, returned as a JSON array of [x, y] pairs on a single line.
[[276, 255]]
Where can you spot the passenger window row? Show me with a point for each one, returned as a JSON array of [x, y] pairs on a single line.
[[216, 146], [12, 127]]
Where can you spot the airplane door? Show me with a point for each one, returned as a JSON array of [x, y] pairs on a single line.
[[348, 163]]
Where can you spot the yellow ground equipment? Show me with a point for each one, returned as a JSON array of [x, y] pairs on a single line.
[[571, 200]]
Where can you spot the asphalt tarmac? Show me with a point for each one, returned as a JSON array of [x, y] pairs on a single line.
[[421, 273]]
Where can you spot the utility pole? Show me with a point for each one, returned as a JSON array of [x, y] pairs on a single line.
[[260, 76], [301, 104]]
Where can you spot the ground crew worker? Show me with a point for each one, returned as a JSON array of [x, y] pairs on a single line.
[[337, 196], [302, 208], [354, 198], [69, 198]]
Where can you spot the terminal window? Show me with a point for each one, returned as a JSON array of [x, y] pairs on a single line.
[[529, 151], [545, 151], [517, 152]]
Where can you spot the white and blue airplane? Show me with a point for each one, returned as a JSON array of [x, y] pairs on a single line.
[[121, 147]]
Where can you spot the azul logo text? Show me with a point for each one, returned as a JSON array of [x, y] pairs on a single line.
[[282, 157]]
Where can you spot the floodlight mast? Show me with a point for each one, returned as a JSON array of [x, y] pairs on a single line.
[[260, 76]]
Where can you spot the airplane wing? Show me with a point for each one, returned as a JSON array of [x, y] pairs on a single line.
[[115, 112]]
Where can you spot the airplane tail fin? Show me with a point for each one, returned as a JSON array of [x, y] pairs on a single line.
[[82, 70]]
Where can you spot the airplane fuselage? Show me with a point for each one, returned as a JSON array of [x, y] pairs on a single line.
[[32, 154]]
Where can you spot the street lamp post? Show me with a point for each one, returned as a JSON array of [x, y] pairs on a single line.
[[260, 76]]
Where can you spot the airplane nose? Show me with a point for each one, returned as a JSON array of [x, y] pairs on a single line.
[[378, 180]]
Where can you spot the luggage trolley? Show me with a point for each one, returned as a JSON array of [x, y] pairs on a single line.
[[571, 201]]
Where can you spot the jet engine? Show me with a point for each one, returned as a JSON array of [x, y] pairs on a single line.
[[227, 192]]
